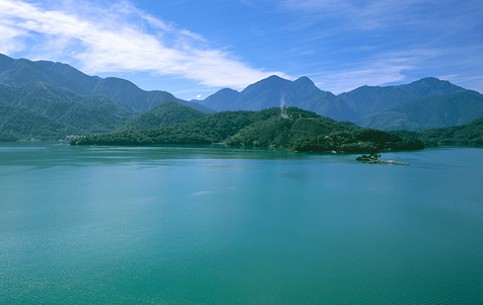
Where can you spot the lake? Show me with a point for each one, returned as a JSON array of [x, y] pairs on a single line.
[[213, 225]]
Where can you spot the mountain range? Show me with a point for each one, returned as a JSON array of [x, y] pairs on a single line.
[[49, 100], [23, 71], [423, 104]]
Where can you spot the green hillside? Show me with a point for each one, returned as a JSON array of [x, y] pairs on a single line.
[[469, 134], [295, 129], [42, 111], [164, 115], [21, 123]]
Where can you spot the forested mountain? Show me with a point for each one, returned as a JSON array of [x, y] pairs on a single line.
[[164, 115], [292, 128], [22, 71], [20, 123], [469, 134], [47, 100], [423, 104], [42, 111]]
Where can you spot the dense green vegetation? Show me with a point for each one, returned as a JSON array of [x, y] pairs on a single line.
[[22, 123], [7, 137], [41, 111], [469, 134], [298, 130], [164, 115], [211, 129]]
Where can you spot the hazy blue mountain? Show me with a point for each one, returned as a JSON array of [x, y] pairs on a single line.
[[275, 91], [370, 101], [429, 112], [79, 82], [426, 103], [303, 93], [22, 71], [222, 100], [266, 93], [164, 115], [431, 86], [367, 100], [123, 91]]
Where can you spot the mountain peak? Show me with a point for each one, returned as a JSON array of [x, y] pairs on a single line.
[[431, 86], [227, 91], [273, 77], [304, 80], [271, 83], [272, 80]]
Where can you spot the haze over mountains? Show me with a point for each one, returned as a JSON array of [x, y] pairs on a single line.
[[43, 99]]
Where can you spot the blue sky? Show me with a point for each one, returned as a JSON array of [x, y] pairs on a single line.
[[193, 48]]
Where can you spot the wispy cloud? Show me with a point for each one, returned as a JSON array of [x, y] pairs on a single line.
[[381, 70], [118, 38], [383, 42], [373, 14]]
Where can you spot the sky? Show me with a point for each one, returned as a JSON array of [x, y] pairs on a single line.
[[193, 48]]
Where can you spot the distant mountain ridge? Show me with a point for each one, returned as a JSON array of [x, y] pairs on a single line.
[[423, 104], [49, 99], [22, 71], [275, 91]]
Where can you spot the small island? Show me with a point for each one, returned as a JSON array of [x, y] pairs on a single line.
[[374, 158]]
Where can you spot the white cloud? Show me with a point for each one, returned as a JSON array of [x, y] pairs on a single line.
[[9, 42], [120, 38]]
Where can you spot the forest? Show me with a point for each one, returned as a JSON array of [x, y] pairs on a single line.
[[290, 128]]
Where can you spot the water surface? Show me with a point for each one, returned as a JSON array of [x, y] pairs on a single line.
[[210, 225]]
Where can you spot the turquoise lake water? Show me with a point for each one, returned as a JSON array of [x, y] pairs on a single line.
[[211, 225]]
